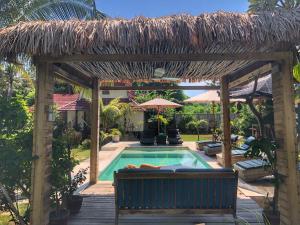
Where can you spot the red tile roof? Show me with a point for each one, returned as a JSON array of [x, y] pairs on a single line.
[[70, 102]]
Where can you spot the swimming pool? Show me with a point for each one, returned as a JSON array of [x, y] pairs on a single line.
[[172, 157]]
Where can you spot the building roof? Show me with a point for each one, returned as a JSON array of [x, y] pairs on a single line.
[[70, 102], [214, 33], [263, 89]]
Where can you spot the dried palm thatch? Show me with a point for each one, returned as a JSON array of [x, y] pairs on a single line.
[[212, 33]]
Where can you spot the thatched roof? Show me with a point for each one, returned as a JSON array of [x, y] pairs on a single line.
[[263, 89], [210, 33]]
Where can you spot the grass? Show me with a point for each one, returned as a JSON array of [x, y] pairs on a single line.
[[80, 154], [5, 216], [194, 137]]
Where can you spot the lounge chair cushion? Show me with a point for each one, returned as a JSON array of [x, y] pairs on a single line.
[[252, 164], [215, 145], [244, 147], [249, 140], [238, 152]]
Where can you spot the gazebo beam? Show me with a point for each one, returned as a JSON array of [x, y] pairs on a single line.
[[72, 78], [95, 114], [245, 78], [225, 124], [42, 145], [155, 88], [285, 132], [190, 57]]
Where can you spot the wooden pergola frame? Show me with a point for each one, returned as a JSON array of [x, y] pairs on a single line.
[[48, 67]]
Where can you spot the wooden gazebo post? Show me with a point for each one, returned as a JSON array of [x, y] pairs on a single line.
[[95, 114], [42, 145], [285, 132], [225, 122]]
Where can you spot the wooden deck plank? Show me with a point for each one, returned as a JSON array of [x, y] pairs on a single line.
[[101, 210]]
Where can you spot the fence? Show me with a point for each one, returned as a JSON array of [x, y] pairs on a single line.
[[209, 117]]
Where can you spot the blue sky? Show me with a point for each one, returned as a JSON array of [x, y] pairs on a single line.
[[157, 8]]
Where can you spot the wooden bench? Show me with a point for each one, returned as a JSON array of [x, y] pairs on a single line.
[[185, 191]]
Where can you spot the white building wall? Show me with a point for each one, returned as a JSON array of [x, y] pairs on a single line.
[[115, 94], [71, 118], [134, 121]]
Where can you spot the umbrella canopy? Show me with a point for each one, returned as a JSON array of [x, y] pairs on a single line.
[[208, 97], [159, 104]]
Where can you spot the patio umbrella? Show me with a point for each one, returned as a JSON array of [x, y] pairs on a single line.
[[159, 104], [211, 96]]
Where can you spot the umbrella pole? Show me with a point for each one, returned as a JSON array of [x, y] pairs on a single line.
[[158, 121], [214, 119]]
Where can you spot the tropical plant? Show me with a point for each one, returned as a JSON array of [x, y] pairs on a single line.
[[270, 5], [111, 114], [197, 126], [13, 11], [65, 10], [115, 132], [171, 95], [15, 156]]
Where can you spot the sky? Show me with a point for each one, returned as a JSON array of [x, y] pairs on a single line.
[[156, 8]]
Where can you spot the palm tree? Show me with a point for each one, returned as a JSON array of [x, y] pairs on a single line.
[[65, 10], [270, 5], [13, 11]]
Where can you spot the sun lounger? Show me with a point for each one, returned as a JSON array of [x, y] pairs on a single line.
[[201, 144], [212, 149], [237, 154], [192, 191], [251, 170], [147, 138]]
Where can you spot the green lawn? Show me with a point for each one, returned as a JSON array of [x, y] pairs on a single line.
[[194, 137], [5, 216], [81, 154]]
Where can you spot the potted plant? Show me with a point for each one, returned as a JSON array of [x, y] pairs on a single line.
[[61, 166], [266, 149], [115, 133], [74, 202], [161, 139]]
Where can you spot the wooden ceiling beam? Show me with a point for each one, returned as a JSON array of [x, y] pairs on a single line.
[[262, 71], [157, 88], [72, 78], [190, 57]]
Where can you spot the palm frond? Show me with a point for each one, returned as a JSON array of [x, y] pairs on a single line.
[[65, 10]]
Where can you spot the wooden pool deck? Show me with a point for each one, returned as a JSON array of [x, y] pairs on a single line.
[[100, 210], [99, 206]]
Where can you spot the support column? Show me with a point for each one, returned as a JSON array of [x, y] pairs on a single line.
[[225, 123], [42, 145], [285, 133], [95, 114]]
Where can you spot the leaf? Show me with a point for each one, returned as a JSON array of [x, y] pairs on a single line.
[[296, 72]]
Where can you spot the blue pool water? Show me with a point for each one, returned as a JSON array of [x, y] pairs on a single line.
[[167, 156]]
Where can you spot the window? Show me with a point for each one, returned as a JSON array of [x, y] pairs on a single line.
[[105, 92]]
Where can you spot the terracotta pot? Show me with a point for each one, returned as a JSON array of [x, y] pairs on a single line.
[[59, 217], [270, 217], [116, 138], [74, 203]]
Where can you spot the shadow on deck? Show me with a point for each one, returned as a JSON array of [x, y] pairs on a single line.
[[100, 210]]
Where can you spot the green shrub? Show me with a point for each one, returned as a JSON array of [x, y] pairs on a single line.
[[86, 144]]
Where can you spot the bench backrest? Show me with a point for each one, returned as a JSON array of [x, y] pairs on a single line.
[[138, 189]]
